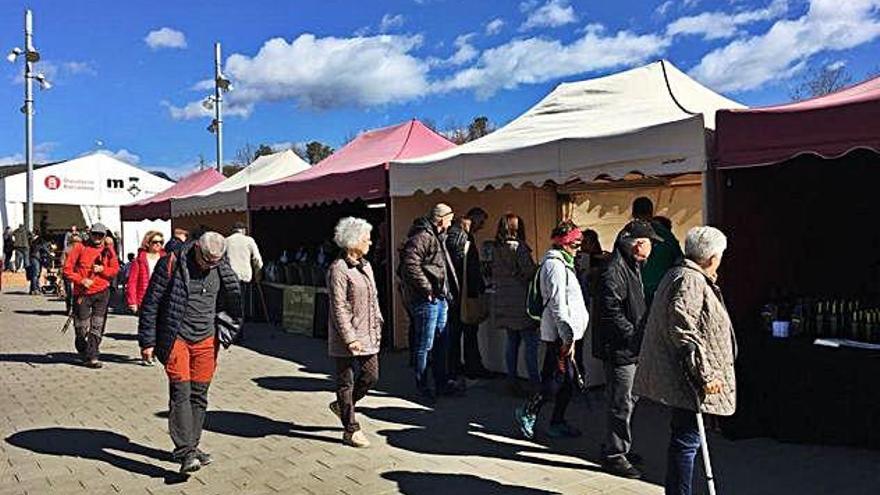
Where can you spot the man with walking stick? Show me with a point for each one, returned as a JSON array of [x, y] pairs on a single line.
[[687, 354]]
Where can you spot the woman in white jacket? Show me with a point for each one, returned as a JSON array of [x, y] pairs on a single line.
[[563, 323]]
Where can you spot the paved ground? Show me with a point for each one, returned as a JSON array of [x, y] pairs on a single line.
[[67, 429]]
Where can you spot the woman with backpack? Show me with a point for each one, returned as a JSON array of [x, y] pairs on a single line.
[[556, 296], [512, 270]]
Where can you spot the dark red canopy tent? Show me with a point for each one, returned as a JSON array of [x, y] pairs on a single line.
[[828, 126], [357, 171], [159, 206]]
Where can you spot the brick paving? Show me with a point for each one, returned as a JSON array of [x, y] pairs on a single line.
[[68, 429]]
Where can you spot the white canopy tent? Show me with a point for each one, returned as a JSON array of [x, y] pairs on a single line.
[[96, 185], [231, 194], [649, 120]]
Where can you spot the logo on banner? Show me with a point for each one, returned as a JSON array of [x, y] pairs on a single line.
[[133, 188], [52, 182]]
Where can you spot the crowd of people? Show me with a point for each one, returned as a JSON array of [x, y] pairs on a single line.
[[652, 310]]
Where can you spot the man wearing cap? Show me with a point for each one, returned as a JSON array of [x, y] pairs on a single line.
[[192, 305], [665, 253], [618, 337], [90, 266], [246, 262], [427, 282]]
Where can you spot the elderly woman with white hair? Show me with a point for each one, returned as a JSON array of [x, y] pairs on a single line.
[[355, 324], [688, 351]]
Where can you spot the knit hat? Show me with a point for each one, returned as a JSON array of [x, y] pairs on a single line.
[[441, 210]]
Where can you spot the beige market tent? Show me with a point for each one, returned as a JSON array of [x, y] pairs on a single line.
[[583, 152]]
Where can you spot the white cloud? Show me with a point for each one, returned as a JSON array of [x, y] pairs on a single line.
[[390, 22], [664, 7], [836, 65], [322, 73], [552, 14], [494, 26], [203, 85], [785, 49], [721, 25], [165, 38], [691, 3], [536, 60], [464, 53], [42, 154], [121, 154], [76, 67]]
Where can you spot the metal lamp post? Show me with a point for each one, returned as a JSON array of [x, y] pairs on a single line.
[[215, 102], [31, 56]]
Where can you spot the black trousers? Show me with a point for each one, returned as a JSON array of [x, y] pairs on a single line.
[[89, 318], [557, 378], [354, 377], [458, 332]]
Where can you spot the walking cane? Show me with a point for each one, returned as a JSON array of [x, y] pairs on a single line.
[[263, 302], [690, 363]]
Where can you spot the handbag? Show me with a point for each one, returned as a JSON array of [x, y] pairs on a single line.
[[474, 310], [227, 328]]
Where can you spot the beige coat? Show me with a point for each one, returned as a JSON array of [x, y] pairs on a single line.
[[687, 308], [354, 308]]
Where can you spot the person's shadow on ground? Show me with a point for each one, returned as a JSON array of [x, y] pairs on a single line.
[[295, 384], [41, 312], [95, 445], [249, 425], [412, 483], [68, 358]]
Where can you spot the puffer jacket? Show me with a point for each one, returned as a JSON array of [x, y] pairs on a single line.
[[622, 310], [512, 270], [164, 305], [688, 309], [138, 278], [457, 239], [425, 266], [354, 308], [80, 264], [565, 314]]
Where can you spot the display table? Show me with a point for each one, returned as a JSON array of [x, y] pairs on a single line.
[[796, 391], [299, 309]]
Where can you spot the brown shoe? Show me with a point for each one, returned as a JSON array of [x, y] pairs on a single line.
[[356, 439], [94, 364], [334, 407]]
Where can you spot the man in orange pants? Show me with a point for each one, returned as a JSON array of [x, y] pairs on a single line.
[[192, 306]]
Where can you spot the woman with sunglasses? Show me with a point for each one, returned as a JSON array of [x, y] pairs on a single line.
[[142, 269]]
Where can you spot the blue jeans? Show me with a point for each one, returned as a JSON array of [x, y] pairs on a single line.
[[530, 337], [429, 328], [34, 269], [683, 445]]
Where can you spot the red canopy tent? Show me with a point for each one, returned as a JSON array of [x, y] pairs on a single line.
[[828, 126], [357, 171], [159, 206]]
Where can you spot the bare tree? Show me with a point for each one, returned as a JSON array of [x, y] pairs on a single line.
[[244, 155], [820, 81]]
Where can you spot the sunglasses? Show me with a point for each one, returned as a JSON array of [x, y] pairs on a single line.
[[156, 241]]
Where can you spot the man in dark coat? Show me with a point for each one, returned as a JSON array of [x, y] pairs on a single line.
[[618, 336], [465, 256], [428, 284], [192, 293]]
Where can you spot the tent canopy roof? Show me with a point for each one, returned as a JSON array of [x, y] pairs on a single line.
[[231, 194], [650, 119], [355, 171], [159, 206], [827, 126]]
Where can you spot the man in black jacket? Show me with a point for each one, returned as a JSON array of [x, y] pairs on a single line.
[[465, 256], [191, 291], [428, 284], [618, 337]]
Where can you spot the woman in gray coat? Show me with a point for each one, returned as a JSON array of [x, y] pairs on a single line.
[[355, 324], [688, 351]]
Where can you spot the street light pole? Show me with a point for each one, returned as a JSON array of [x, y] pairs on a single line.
[[218, 106], [29, 117]]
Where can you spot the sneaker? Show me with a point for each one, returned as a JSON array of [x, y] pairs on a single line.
[[451, 389], [190, 464], [563, 430], [334, 407], [355, 439], [94, 364], [204, 457], [525, 422], [619, 466]]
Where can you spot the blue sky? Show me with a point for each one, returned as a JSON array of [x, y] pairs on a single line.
[[127, 73]]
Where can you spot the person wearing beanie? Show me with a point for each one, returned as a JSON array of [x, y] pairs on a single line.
[[428, 283], [90, 266]]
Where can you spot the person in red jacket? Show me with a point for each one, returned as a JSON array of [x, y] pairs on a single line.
[[90, 267], [142, 269]]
